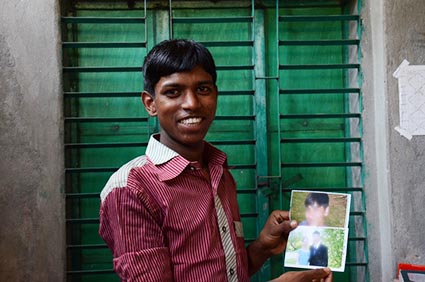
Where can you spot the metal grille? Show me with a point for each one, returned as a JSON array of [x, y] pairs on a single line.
[[265, 79]]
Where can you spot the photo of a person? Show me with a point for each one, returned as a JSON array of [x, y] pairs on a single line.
[[304, 252], [316, 209], [318, 251], [320, 209]]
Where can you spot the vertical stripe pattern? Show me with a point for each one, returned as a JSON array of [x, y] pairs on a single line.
[[165, 221]]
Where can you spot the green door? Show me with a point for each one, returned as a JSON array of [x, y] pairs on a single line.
[[288, 112]]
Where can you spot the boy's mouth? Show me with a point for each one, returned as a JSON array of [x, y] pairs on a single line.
[[191, 121]]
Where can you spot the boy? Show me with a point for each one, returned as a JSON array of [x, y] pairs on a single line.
[[172, 214], [318, 251], [316, 209]]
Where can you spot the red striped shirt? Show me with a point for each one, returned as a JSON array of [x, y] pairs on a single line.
[[164, 221]]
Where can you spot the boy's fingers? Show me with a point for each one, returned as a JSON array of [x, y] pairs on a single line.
[[320, 274]]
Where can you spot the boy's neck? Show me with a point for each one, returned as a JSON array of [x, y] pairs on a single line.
[[191, 153]]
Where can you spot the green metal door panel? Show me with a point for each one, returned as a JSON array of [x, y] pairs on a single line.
[[287, 109]]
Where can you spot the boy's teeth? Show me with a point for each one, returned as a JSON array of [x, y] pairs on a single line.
[[191, 121]]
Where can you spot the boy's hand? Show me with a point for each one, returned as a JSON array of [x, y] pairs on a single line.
[[274, 236], [315, 275]]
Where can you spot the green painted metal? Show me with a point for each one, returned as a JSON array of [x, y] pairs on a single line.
[[283, 115]]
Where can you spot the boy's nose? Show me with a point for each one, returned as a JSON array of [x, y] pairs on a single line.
[[191, 100]]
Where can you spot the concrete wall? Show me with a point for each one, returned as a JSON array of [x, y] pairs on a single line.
[[32, 228], [395, 174]]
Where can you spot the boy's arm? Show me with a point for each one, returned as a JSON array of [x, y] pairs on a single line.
[[134, 237]]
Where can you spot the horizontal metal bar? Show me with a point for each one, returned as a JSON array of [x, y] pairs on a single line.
[[342, 115], [322, 164], [232, 142], [90, 169], [239, 43], [352, 264], [356, 238], [104, 44], [88, 246], [320, 91], [330, 189], [234, 93], [101, 69], [69, 170], [227, 68], [86, 272], [319, 66], [322, 18], [357, 213], [325, 42], [106, 119], [82, 195], [82, 220], [321, 140], [249, 215], [234, 118], [212, 20], [101, 94], [104, 20], [246, 191], [104, 145]]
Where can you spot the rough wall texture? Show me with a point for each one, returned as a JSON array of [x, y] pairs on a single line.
[[394, 173], [31, 163], [405, 29]]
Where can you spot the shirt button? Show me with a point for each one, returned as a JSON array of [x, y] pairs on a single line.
[[232, 271], [223, 229], [192, 168]]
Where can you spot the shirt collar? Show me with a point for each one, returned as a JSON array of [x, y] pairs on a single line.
[[170, 164]]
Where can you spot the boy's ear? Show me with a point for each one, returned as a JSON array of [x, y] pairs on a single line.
[[149, 102]]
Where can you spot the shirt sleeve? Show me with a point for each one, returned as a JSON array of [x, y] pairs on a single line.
[[130, 230]]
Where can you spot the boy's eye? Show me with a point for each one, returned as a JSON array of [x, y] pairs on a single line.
[[204, 90], [171, 92]]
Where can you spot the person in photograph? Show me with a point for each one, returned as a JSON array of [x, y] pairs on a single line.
[[316, 209], [318, 251], [304, 252]]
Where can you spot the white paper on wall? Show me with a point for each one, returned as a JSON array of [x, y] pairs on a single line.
[[411, 85]]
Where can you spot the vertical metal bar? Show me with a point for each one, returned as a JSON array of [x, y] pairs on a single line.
[[170, 14], [261, 125], [360, 82]]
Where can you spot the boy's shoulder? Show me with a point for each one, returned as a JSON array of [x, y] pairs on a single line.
[[119, 178]]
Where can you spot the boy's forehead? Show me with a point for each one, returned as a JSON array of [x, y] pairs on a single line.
[[197, 73], [315, 206]]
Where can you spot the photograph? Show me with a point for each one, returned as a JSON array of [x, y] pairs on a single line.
[[314, 247], [321, 209]]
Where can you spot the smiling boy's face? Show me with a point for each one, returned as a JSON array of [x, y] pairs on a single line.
[[315, 214], [185, 104]]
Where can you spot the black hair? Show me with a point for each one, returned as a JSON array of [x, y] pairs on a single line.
[[175, 55], [322, 199]]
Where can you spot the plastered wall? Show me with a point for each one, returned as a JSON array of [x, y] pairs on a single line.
[[395, 172], [31, 162]]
